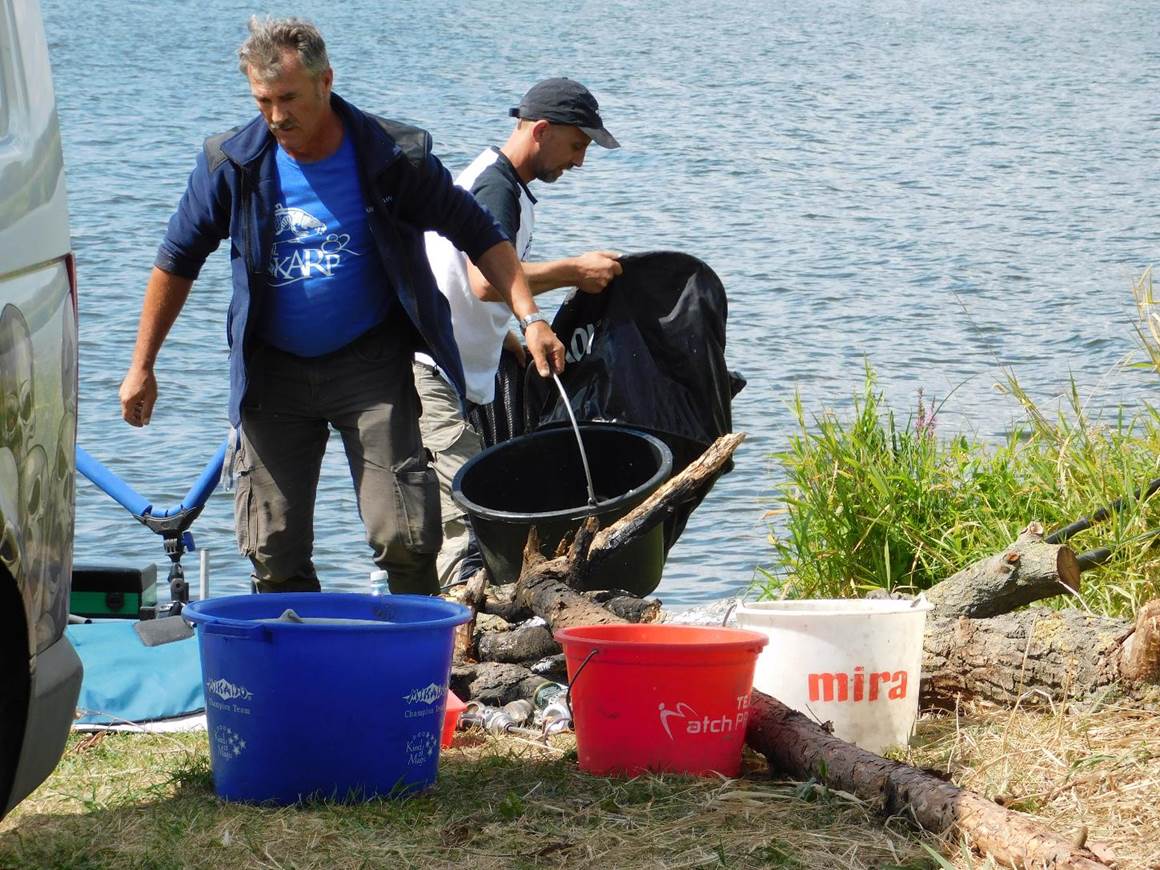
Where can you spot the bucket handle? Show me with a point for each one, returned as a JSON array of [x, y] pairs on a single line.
[[234, 628], [736, 603], [579, 671]]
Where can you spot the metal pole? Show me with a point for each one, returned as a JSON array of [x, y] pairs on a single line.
[[203, 555]]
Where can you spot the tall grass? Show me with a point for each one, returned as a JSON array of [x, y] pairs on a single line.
[[872, 502]]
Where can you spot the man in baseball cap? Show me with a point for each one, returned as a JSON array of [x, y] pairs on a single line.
[[558, 119], [564, 101]]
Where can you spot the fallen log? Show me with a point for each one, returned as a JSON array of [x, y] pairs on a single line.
[[1038, 656], [804, 750], [1026, 571]]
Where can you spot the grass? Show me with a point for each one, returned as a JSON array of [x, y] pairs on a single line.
[[146, 801], [121, 801], [869, 502]]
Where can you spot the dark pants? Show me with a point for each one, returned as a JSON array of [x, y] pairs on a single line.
[[367, 393]]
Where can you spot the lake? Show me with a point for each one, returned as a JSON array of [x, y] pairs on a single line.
[[941, 190]]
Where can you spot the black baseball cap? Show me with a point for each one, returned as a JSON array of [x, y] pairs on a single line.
[[564, 101]]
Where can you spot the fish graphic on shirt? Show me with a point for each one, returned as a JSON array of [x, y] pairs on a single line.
[[294, 220]]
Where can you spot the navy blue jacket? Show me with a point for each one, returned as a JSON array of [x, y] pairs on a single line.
[[231, 194]]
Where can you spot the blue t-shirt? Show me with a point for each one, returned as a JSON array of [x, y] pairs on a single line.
[[327, 283]]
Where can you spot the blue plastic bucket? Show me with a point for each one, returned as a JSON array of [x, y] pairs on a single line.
[[345, 706]]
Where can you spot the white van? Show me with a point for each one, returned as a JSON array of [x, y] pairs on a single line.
[[40, 673]]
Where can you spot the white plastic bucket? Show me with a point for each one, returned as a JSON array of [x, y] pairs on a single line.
[[855, 663]]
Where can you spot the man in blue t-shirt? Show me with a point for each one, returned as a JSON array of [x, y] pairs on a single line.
[[325, 208]]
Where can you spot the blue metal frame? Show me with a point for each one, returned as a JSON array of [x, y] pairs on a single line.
[[171, 523]]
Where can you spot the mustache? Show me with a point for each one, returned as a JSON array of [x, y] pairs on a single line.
[[282, 126]]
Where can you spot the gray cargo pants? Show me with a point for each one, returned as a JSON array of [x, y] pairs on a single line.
[[366, 392], [452, 442]]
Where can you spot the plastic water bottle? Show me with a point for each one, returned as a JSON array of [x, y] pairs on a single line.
[[379, 583]]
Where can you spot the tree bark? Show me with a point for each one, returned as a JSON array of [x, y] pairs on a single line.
[[493, 683], [527, 643], [1140, 656], [544, 584], [630, 609], [1034, 657], [803, 750], [1028, 570], [975, 648], [697, 476]]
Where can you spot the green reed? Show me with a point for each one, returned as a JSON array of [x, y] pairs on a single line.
[[872, 502]]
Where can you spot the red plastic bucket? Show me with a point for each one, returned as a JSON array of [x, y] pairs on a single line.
[[671, 698], [451, 714]]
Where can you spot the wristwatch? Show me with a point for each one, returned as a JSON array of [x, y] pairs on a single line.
[[534, 317]]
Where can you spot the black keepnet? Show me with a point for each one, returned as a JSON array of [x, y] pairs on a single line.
[[648, 352]]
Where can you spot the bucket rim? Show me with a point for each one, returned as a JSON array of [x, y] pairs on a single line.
[[834, 607], [742, 638], [454, 614], [569, 514]]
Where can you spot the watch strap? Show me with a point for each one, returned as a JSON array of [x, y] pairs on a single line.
[[534, 317]]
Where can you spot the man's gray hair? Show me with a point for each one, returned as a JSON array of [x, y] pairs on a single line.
[[261, 53]]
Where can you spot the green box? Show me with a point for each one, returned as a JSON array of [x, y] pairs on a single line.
[[105, 591]]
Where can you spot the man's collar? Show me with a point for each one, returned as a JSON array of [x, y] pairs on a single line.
[[248, 145]]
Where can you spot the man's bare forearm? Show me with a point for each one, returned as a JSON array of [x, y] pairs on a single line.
[[501, 269], [165, 295], [590, 272]]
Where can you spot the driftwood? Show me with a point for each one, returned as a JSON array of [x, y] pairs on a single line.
[[696, 476], [545, 586], [802, 749], [550, 587], [1029, 570]]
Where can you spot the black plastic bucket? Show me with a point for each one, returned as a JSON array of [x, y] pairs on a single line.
[[538, 480]]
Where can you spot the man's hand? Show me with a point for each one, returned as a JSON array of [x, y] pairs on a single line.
[[596, 269], [165, 294], [546, 349], [138, 395]]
